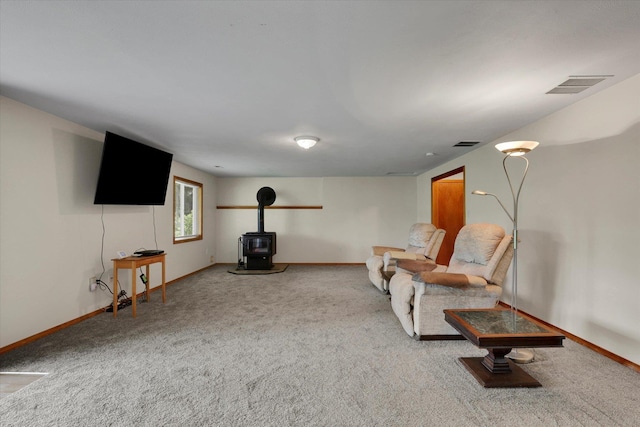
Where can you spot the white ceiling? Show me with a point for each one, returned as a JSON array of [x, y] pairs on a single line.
[[227, 85]]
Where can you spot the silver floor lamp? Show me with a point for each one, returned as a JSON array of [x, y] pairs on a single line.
[[516, 150]]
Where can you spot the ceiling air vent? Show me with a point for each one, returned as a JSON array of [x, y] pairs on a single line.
[[576, 84], [401, 173], [467, 143]]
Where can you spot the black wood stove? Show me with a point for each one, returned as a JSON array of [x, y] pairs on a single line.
[[259, 247]]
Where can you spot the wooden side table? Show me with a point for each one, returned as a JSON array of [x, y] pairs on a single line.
[[133, 263], [499, 330]]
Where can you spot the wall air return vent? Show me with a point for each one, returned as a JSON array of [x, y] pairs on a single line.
[[576, 84], [467, 143]]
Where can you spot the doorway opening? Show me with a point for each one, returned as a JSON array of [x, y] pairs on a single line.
[[448, 209]]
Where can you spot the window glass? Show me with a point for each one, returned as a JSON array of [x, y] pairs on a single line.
[[187, 210]]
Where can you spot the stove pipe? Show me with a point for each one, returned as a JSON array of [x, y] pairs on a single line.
[[260, 218], [266, 196]]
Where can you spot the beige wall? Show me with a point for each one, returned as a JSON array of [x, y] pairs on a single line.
[[579, 216], [356, 214], [51, 231]]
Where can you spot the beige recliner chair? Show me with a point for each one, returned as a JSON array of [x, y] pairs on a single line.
[[421, 291], [424, 244]]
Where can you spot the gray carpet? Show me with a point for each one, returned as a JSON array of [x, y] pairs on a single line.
[[277, 268], [315, 345]]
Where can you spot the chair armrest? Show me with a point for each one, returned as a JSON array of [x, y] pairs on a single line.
[[452, 280], [440, 269], [402, 293], [391, 258], [403, 255], [416, 265], [380, 250]]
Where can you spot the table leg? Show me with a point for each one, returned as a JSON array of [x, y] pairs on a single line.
[[495, 361], [146, 285], [164, 294], [498, 375], [133, 289], [115, 290]]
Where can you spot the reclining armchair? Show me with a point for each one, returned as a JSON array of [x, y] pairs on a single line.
[[424, 244], [420, 291]]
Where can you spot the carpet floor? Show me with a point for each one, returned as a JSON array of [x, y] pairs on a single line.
[[313, 346], [277, 268]]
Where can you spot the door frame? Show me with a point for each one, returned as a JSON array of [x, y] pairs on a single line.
[[441, 177], [464, 184]]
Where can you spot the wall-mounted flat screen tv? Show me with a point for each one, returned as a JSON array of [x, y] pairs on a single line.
[[132, 173]]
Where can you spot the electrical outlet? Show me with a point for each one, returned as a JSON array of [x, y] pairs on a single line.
[[211, 260], [93, 284]]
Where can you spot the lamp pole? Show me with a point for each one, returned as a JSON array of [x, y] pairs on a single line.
[[516, 149]]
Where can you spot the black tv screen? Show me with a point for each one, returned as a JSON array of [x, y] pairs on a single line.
[[132, 173]]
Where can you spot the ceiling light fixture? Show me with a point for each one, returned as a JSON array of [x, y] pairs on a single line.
[[306, 142], [516, 148]]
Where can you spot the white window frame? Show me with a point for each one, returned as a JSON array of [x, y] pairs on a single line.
[[179, 185]]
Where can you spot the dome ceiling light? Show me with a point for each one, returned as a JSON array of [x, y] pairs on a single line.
[[306, 142]]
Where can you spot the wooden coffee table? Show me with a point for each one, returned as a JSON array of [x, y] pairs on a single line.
[[499, 331]]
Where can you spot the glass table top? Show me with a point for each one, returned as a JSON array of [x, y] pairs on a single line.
[[499, 322]]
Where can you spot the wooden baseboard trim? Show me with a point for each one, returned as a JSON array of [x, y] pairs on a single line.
[[193, 273], [326, 263], [438, 337], [268, 207], [72, 322], [585, 343], [50, 331], [308, 263]]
